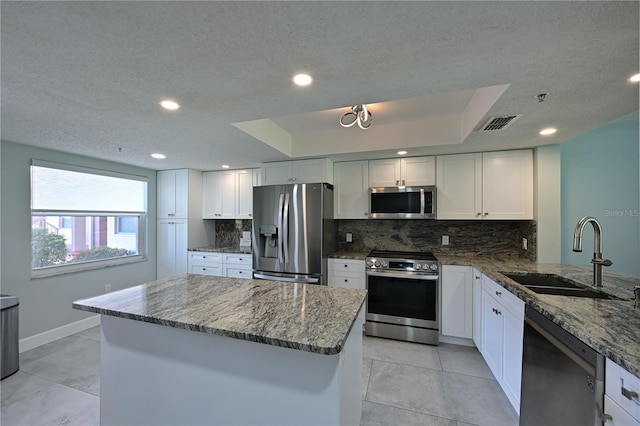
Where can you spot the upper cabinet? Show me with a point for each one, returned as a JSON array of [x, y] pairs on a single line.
[[491, 185], [301, 171], [179, 194], [351, 190], [228, 194], [413, 171]]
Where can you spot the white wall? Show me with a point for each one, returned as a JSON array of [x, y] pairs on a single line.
[[547, 203], [45, 303]]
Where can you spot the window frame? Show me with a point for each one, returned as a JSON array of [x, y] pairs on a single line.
[[142, 231]]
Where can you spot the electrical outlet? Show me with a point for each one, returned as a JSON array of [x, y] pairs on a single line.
[[349, 237], [445, 240], [525, 244], [107, 288]]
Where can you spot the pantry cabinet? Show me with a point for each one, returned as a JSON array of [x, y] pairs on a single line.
[[179, 224], [490, 185], [300, 171], [228, 194], [351, 190], [457, 301], [412, 171]]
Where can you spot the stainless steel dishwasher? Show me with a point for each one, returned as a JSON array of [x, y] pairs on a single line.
[[562, 377]]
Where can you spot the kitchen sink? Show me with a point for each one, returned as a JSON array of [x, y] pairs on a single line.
[[555, 285]]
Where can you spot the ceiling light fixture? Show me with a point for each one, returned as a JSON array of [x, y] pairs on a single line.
[[225, 166], [358, 114], [302, 79], [159, 156], [634, 78], [402, 153], [548, 131], [170, 105]]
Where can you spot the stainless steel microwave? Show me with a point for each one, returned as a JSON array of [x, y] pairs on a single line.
[[410, 202]]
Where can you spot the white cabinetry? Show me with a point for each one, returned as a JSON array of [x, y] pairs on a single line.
[[457, 301], [300, 171], [228, 194], [413, 171], [477, 309], [205, 263], [351, 190], [491, 185], [621, 399], [348, 273], [502, 334], [237, 265], [179, 224]]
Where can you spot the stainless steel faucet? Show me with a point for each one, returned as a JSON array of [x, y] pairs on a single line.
[[598, 261]]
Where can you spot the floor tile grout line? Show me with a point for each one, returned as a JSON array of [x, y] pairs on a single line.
[[414, 411], [58, 383]]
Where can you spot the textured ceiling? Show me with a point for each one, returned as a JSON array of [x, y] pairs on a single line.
[[86, 77]]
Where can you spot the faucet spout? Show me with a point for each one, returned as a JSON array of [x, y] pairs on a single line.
[[598, 261]]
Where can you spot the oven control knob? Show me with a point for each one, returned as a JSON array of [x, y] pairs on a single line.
[[433, 267], [384, 264], [417, 266], [377, 263], [369, 263]]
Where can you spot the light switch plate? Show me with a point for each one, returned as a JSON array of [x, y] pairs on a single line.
[[349, 237], [246, 234], [445, 240]]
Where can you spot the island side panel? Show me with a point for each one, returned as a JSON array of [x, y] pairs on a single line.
[[153, 374]]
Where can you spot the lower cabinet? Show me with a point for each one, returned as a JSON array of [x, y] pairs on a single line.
[[457, 301], [233, 265], [477, 309], [171, 247], [349, 273], [621, 396], [502, 331]]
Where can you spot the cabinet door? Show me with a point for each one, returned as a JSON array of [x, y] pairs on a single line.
[[457, 301], [172, 193], [172, 256], [507, 185], [244, 194], [512, 355], [226, 194], [351, 191], [209, 203], [459, 183], [477, 309], [312, 171], [276, 173], [418, 171], [492, 334], [384, 172]]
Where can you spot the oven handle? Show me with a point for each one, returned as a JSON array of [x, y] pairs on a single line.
[[408, 276]]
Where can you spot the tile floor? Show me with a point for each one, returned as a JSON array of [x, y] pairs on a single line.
[[403, 384]]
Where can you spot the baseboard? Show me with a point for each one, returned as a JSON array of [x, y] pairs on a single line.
[[456, 340], [57, 333]]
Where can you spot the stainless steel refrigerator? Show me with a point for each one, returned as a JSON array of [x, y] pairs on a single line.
[[293, 232]]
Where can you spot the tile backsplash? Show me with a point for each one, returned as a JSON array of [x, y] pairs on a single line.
[[229, 231], [466, 237]]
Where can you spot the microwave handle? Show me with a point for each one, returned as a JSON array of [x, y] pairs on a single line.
[[422, 203]]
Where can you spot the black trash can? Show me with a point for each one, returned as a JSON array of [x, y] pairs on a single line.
[[8, 335]]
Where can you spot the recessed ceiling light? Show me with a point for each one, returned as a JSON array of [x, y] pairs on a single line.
[[634, 78], [225, 166], [402, 152], [159, 156], [170, 105], [548, 131], [302, 79]]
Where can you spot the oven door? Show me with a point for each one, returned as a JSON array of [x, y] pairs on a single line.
[[403, 298]]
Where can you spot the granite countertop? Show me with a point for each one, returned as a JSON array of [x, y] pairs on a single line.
[[223, 249], [611, 327], [299, 316]]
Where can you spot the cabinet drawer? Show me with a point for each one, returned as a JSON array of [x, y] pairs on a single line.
[[205, 258], [206, 270], [348, 281], [235, 272], [617, 378], [237, 259], [340, 266], [619, 417], [502, 295]]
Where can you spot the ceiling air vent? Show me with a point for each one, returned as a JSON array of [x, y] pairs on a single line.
[[498, 123]]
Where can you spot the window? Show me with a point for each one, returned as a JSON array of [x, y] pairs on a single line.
[[84, 218]]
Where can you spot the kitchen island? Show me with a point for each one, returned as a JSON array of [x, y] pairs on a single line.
[[195, 349]]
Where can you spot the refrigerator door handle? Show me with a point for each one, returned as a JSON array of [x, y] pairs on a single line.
[[285, 225], [280, 207]]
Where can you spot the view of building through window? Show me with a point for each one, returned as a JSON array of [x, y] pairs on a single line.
[[79, 217]]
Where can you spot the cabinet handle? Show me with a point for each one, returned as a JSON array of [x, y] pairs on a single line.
[[477, 278], [366, 213], [249, 214], [397, 182], [239, 272], [629, 394], [486, 214], [478, 214], [346, 281], [240, 259], [495, 311], [403, 182], [498, 293], [346, 266]]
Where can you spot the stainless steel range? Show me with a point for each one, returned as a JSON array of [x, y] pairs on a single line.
[[404, 290]]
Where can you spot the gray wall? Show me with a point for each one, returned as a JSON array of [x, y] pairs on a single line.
[[45, 303]]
